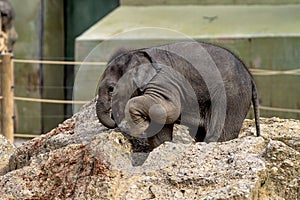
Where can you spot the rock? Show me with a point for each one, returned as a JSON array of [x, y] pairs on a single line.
[[284, 130], [6, 150], [81, 159], [286, 160]]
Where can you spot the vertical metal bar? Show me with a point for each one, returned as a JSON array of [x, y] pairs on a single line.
[[7, 88]]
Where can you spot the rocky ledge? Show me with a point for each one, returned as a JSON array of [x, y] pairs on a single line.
[[81, 159]]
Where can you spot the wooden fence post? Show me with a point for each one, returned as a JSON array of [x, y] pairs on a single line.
[[7, 103]]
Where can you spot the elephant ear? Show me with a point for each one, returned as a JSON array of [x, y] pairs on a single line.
[[145, 71]]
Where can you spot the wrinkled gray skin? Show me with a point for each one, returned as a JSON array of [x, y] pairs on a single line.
[[149, 90], [7, 18]]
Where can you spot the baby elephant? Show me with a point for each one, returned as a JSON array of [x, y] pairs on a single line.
[[205, 87]]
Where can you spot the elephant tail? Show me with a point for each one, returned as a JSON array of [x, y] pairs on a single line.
[[255, 102]]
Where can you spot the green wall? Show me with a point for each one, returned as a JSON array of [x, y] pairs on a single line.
[[266, 37], [49, 39], [27, 81], [79, 16], [39, 38], [272, 53], [53, 75]]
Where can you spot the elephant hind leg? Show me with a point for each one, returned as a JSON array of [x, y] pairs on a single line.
[[200, 136]]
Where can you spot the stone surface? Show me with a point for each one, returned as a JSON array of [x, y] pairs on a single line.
[[81, 159], [6, 150]]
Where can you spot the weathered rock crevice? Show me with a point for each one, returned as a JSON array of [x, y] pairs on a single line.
[[81, 159]]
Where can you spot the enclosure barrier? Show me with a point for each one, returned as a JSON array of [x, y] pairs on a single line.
[[7, 98], [7, 87]]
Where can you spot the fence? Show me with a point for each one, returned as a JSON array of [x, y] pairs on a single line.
[[7, 87]]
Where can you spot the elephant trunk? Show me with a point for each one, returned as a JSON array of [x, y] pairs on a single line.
[[103, 107]]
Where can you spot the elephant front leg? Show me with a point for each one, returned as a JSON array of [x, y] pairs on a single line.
[[151, 118], [164, 135]]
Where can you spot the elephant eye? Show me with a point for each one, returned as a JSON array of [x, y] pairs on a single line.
[[110, 89]]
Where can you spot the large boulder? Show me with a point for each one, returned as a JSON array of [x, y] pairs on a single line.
[[81, 159], [6, 150]]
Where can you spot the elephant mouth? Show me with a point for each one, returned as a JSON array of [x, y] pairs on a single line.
[[114, 116]]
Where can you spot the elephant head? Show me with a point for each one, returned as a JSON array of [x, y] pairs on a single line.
[[110, 77], [123, 62], [103, 105]]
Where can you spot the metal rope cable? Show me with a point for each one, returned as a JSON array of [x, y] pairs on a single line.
[[279, 109], [50, 62], [263, 72], [26, 135], [84, 102], [260, 72], [49, 100]]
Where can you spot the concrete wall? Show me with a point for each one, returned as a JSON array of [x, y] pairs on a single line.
[[53, 75], [265, 37], [271, 53], [27, 81], [51, 38], [80, 16], [39, 40]]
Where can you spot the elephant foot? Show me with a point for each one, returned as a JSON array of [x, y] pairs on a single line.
[[165, 134], [138, 156]]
